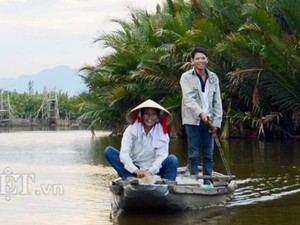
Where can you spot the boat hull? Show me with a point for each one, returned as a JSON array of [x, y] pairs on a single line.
[[168, 195]]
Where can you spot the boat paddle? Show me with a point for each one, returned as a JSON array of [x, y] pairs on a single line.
[[218, 143]]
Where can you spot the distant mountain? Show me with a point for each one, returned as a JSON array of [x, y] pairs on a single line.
[[60, 78]]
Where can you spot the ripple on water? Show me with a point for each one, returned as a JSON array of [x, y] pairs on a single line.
[[260, 189]]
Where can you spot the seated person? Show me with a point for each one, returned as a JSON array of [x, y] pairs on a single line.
[[145, 144]]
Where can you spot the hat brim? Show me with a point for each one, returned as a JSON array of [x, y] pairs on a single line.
[[132, 115]]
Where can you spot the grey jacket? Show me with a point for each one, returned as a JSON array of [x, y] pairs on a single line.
[[191, 107]]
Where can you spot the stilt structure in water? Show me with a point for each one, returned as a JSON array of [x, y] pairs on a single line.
[[6, 115], [49, 112], [53, 112]]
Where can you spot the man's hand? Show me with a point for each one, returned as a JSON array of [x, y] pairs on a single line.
[[139, 173], [213, 130], [204, 118]]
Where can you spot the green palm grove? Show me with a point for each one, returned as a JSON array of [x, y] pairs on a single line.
[[253, 45], [26, 105]]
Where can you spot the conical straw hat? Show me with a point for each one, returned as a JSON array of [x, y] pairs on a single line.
[[132, 115]]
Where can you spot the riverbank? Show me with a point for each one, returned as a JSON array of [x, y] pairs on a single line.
[[36, 122]]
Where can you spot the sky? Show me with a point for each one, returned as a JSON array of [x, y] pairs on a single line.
[[42, 34]]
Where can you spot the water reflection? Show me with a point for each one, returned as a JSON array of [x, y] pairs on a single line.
[[212, 216], [99, 146], [268, 175], [53, 158]]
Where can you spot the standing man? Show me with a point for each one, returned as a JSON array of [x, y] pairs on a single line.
[[201, 112]]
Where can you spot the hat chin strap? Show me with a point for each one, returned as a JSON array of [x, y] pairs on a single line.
[[163, 122]]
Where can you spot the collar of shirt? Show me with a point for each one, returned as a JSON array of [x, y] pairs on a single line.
[[200, 79], [150, 132]]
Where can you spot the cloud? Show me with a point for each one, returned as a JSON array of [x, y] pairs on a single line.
[[39, 34], [18, 1]]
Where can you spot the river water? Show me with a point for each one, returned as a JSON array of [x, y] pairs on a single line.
[[61, 177]]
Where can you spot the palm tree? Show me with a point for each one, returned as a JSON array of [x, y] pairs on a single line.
[[249, 42], [141, 65], [265, 51], [253, 47]]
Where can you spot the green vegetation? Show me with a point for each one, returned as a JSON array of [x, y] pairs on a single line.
[[27, 105], [254, 47]]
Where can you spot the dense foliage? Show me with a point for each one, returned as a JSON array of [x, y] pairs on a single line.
[[27, 105], [253, 46]]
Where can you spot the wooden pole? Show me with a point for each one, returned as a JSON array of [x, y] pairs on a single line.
[[218, 143]]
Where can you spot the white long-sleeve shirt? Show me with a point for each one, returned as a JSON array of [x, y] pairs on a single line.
[[142, 153]]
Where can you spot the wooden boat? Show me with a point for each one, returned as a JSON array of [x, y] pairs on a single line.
[[186, 193]]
